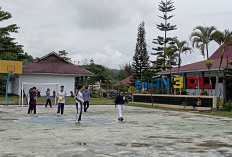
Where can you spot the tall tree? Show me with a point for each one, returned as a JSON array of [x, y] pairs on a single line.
[[181, 47], [64, 55], [201, 38], [125, 71], [165, 6], [9, 49], [171, 60], [224, 39], [141, 59]]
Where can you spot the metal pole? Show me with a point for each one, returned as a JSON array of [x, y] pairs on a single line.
[[7, 83], [22, 94]]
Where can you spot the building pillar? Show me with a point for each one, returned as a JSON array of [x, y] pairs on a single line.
[[185, 81], [78, 79], [224, 87], [86, 81], [82, 80], [198, 85]]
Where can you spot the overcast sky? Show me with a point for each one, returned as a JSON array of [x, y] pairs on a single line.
[[106, 30]]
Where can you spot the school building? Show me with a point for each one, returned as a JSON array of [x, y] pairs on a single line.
[[50, 71], [199, 69]]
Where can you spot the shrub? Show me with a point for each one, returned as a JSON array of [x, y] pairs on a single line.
[[132, 89], [144, 92], [93, 94], [184, 103], [227, 106], [183, 92], [100, 92]]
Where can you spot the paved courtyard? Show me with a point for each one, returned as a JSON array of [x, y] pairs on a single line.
[[144, 133]]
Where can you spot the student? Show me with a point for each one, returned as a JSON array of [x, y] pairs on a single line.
[[48, 98], [79, 104], [61, 100], [86, 96], [32, 102], [197, 104], [119, 101]]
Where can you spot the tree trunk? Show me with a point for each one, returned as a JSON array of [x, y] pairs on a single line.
[[210, 82], [179, 64]]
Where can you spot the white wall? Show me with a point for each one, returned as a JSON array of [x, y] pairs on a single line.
[[66, 80]]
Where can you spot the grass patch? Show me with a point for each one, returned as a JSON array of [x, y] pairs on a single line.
[[217, 113], [141, 105], [69, 100]]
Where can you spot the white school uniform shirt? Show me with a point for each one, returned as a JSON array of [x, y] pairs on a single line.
[[79, 96], [61, 94]]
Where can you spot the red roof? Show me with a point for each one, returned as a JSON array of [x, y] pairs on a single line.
[[200, 66], [54, 64], [126, 81]]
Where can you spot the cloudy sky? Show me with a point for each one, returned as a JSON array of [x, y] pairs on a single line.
[[105, 30]]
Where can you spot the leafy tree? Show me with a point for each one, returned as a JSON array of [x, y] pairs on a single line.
[[125, 71], [181, 47], [140, 59], [228, 74], [9, 49], [201, 38], [209, 64], [64, 55], [165, 6], [171, 60], [122, 87], [224, 39], [101, 73]]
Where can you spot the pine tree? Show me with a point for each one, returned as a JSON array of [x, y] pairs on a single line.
[[165, 7], [141, 59]]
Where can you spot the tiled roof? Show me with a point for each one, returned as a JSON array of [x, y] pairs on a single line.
[[125, 81], [54, 64], [200, 66]]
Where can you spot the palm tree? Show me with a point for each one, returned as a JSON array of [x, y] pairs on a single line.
[[201, 37], [180, 47], [224, 39], [171, 57], [209, 64]]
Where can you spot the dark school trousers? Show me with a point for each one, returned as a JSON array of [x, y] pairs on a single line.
[[86, 106], [60, 108], [79, 111], [32, 106], [48, 102]]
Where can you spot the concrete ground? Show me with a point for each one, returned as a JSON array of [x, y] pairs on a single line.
[[144, 133]]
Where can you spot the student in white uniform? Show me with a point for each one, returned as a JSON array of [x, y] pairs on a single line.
[[79, 104], [61, 100], [119, 102]]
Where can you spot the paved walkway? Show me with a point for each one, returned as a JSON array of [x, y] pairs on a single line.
[[145, 132]]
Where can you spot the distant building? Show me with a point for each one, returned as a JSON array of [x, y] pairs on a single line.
[[51, 68], [199, 69], [126, 81]]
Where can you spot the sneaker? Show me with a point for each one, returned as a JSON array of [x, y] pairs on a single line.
[[77, 123], [58, 114], [122, 119], [35, 115], [119, 119]]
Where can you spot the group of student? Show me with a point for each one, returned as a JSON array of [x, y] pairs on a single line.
[[82, 98]]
